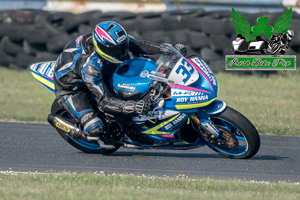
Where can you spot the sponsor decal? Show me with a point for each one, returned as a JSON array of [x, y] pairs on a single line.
[[46, 69], [168, 126], [179, 118], [182, 99], [189, 97], [62, 127], [34, 66], [199, 98], [185, 70], [179, 92], [43, 67], [175, 122], [144, 74], [51, 73], [122, 38], [206, 70], [261, 38], [192, 100], [210, 127], [126, 86]]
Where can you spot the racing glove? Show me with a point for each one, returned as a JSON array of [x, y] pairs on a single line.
[[130, 107], [140, 107], [181, 48]]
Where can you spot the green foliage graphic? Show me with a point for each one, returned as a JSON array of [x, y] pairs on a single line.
[[242, 26]]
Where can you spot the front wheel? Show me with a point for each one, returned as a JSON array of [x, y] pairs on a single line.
[[240, 138]]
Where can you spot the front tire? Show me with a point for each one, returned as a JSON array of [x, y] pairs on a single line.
[[81, 144], [242, 140]]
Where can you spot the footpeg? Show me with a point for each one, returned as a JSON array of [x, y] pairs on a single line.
[[92, 139]]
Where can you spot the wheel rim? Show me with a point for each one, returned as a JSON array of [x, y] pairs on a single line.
[[239, 138], [82, 142]]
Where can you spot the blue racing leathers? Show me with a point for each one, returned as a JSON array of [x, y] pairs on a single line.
[[80, 72]]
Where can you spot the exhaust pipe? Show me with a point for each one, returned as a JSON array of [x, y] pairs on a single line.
[[63, 124]]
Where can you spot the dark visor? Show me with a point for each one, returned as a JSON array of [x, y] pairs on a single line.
[[119, 52]]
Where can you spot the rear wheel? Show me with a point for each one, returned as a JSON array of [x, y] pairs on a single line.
[[239, 137], [81, 144]]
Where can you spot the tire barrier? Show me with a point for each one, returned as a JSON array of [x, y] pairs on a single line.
[[29, 36]]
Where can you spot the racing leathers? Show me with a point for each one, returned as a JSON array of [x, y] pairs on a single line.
[[80, 72]]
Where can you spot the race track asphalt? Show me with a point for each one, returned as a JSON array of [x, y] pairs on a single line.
[[37, 147]]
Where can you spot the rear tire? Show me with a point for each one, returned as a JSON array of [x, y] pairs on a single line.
[[81, 144], [241, 131]]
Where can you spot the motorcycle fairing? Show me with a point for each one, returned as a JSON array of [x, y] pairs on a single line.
[[159, 114], [43, 72], [214, 108], [170, 126], [198, 94], [190, 97], [167, 133], [183, 73], [210, 81], [129, 77]]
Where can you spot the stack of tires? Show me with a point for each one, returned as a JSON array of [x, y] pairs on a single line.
[[28, 36]]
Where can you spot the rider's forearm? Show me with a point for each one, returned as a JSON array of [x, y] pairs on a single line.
[[144, 47], [111, 104]]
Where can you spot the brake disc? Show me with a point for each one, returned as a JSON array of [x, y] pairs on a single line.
[[230, 142]]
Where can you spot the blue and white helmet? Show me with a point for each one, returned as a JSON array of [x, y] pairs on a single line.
[[111, 41]]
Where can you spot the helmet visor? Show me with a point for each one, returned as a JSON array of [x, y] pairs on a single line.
[[118, 52]]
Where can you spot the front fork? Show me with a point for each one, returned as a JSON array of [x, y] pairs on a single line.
[[201, 119], [210, 128]]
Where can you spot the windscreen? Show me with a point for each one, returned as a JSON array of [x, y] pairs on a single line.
[[168, 60], [174, 68]]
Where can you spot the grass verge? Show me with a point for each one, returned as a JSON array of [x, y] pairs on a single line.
[[271, 103], [90, 186], [22, 97]]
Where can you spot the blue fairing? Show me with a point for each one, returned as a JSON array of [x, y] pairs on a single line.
[[132, 76], [216, 107]]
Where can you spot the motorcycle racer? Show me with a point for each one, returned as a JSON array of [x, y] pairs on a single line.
[[83, 68]]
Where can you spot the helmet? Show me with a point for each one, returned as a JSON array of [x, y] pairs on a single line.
[[290, 34], [111, 41]]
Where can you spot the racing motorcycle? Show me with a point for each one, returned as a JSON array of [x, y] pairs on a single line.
[[185, 113], [279, 42]]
